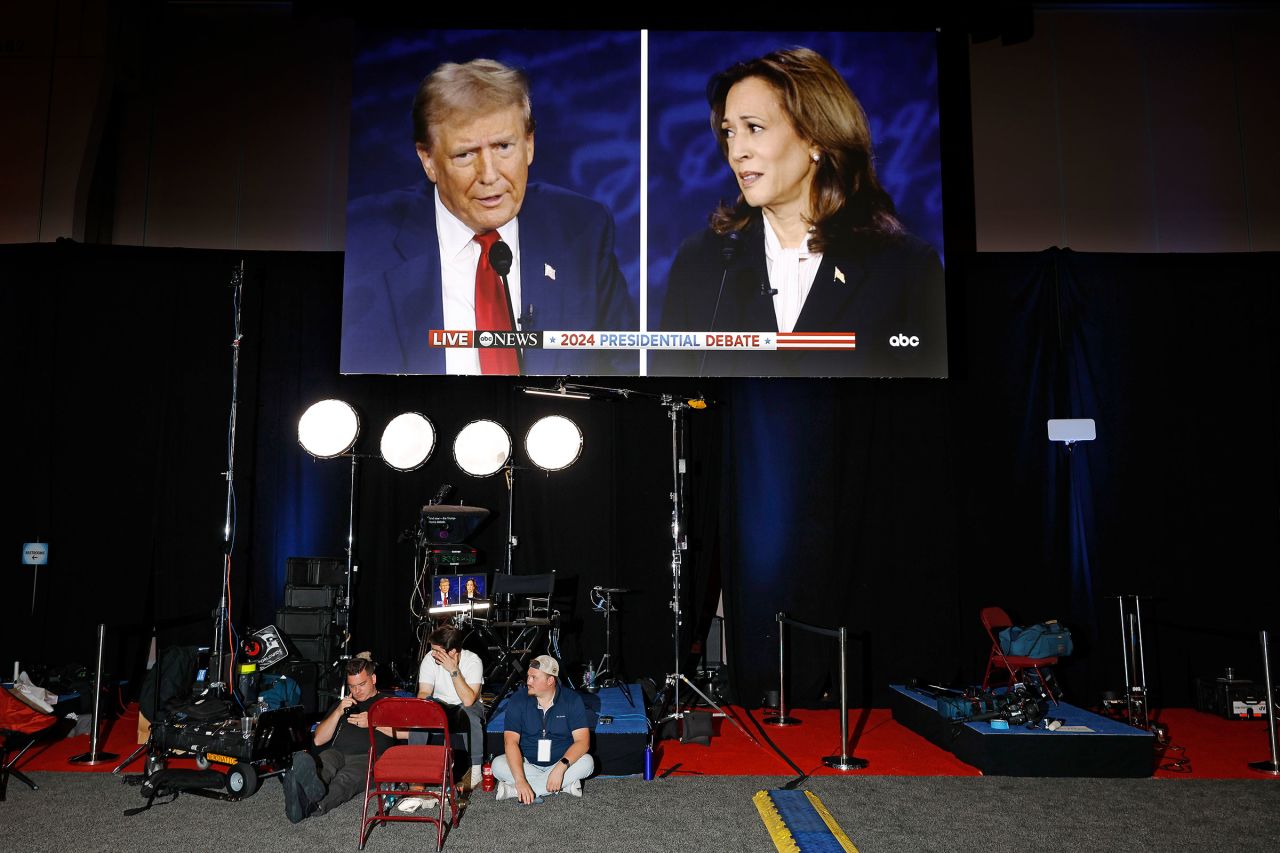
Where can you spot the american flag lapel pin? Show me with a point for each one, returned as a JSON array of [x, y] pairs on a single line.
[[839, 275], [549, 271]]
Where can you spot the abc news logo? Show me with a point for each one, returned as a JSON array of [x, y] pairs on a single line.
[[901, 340], [508, 340], [467, 339]]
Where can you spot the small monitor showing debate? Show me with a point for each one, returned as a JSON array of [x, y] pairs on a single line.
[[459, 588]]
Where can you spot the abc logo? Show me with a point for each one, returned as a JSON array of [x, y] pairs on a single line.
[[486, 339], [904, 341]]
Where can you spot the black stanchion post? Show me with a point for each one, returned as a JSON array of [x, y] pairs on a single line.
[[844, 761], [1271, 767], [781, 718], [93, 756]]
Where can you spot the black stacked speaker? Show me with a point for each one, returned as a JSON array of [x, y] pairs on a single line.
[[311, 622]]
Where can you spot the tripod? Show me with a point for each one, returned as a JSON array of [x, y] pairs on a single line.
[[602, 602], [677, 713]]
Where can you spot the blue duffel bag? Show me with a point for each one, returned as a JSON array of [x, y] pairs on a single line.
[[1046, 640], [280, 691]]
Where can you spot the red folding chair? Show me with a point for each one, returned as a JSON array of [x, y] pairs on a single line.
[[994, 619], [21, 727], [405, 764]]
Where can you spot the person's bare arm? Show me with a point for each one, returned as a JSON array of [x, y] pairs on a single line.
[[329, 725]]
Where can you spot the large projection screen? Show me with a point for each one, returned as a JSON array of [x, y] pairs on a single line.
[[746, 295]]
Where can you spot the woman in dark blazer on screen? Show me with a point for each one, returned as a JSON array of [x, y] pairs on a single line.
[[812, 244]]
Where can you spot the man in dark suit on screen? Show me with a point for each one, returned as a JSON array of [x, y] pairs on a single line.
[[419, 259]]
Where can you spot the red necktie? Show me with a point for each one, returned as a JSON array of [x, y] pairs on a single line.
[[491, 310]]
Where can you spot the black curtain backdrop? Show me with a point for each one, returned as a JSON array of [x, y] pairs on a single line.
[[895, 508]]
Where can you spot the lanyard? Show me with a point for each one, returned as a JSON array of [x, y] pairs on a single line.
[[544, 713]]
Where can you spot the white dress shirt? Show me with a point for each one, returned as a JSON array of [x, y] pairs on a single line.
[[459, 255], [791, 274]]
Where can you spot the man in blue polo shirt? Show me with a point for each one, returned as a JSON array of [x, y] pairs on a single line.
[[546, 739]]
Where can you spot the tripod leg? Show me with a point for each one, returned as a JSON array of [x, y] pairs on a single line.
[[659, 704], [142, 747], [726, 714]]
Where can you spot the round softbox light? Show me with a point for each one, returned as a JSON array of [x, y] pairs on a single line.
[[482, 448], [553, 443], [328, 429], [407, 441]]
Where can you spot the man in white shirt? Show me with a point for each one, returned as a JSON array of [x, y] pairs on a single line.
[[454, 676]]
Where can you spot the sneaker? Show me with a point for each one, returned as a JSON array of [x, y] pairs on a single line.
[[574, 788], [476, 777], [505, 791], [409, 805]]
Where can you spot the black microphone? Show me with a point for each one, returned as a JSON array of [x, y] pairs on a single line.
[[728, 248], [500, 259]]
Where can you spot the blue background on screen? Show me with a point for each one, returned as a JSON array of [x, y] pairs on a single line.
[[894, 75], [585, 88]]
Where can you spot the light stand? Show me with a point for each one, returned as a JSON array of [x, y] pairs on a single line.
[[344, 608], [676, 407], [675, 411], [328, 430], [221, 614], [509, 475]]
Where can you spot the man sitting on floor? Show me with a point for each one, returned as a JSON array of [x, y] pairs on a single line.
[[546, 738], [344, 763]]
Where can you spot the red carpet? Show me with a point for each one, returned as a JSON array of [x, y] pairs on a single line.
[[121, 737], [1215, 748], [892, 749]]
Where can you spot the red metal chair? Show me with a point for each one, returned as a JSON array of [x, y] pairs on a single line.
[[405, 764], [21, 727], [994, 619]]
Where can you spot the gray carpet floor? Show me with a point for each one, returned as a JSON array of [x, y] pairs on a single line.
[[82, 812]]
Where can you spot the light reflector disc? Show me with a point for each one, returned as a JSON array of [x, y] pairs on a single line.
[[328, 429], [482, 448], [407, 441], [553, 443]]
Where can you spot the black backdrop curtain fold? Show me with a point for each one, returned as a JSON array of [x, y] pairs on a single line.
[[895, 508]]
